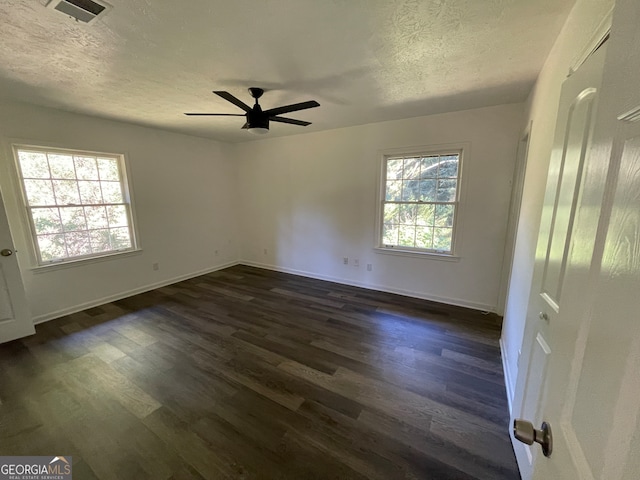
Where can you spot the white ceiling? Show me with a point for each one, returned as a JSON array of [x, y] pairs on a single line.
[[148, 61]]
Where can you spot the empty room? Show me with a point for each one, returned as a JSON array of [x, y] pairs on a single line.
[[385, 239]]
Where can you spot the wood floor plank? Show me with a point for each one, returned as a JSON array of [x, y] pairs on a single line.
[[248, 373]]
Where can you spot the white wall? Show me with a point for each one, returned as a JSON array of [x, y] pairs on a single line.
[[309, 200], [541, 109], [183, 189]]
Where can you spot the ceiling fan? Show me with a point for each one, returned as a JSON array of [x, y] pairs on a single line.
[[258, 119]]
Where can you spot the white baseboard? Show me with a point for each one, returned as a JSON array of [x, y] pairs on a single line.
[[382, 288], [507, 376], [119, 296]]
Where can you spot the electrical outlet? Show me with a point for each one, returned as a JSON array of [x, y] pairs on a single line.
[[356, 263], [265, 251], [345, 260], [369, 267], [155, 266]]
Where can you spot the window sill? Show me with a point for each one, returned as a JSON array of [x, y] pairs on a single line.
[[412, 253], [84, 261]]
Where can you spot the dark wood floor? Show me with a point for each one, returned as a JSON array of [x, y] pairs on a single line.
[[247, 373]]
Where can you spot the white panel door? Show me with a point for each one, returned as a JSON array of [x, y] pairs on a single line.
[[15, 320], [590, 288], [547, 346]]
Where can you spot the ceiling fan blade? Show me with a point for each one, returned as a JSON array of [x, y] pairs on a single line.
[[230, 98], [216, 114], [292, 108], [289, 120]]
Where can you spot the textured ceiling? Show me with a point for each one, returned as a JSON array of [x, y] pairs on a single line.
[[148, 61]]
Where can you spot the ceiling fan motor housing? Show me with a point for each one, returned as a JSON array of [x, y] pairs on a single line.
[[256, 118]]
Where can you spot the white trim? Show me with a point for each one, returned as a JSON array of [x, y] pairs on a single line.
[[599, 34], [416, 253], [631, 116], [507, 375], [483, 307], [119, 296], [513, 220], [113, 255]]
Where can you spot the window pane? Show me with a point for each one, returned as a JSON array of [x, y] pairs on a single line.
[[117, 215], [394, 169], [390, 235], [108, 168], [442, 239], [61, 166], [33, 165], [407, 215], [410, 190], [428, 190], [120, 238], [66, 192], [51, 247], [424, 215], [447, 190], [424, 237], [39, 192], [96, 217], [100, 240], [406, 235], [448, 166], [77, 243], [391, 213], [394, 191], [411, 168], [429, 167], [46, 220], [73, 219], [111, 192], [86, 168], [90, 192], [444, 215]]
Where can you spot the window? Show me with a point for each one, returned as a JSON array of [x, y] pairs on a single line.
[[419, 202], [77, 203]]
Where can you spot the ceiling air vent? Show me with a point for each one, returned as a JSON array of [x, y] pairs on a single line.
[[85, 11]]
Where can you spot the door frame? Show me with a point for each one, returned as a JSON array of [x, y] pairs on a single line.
[[515, 204]]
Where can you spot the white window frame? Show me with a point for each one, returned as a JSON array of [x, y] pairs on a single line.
[[461, 149], [26, 208]]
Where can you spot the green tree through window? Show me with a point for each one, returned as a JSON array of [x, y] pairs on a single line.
[[420, 201], [77, 203]]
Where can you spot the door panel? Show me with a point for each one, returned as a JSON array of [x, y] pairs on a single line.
[[531, 406], [612, 380], [6, 307], [15, 320], [546, 337], [576, 136]]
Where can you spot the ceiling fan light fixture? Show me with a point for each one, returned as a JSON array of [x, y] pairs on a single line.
[[257, 122], [258, 130]]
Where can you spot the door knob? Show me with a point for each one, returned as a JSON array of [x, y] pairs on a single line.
[[6, 252], [526, 433]]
